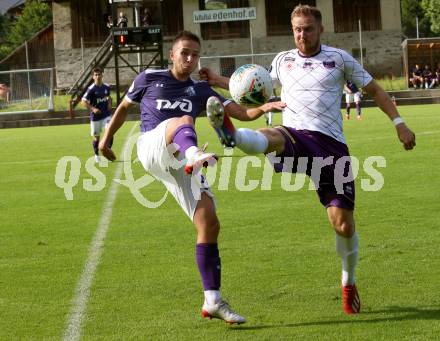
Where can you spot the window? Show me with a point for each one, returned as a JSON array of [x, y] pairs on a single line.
[[225, 29], [227, 66], [278, 15], [167, 13], [89, 22], [347, 14]]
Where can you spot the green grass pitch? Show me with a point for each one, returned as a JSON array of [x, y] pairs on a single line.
[[280, 268]]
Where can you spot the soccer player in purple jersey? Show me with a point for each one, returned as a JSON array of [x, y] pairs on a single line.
[[352, 94], [98, 101], [312, 77], [170, 101]]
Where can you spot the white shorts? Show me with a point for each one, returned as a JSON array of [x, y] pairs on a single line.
[[97, 126], [158, 159], [350, 98]]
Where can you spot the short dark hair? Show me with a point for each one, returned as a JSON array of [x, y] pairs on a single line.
[[305, 11], [97, 69], [186, 35]]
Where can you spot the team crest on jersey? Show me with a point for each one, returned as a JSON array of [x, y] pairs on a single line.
[[308, 65], [190, 91], [329, 64]]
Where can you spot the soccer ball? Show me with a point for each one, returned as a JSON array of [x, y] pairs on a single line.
[[250, 85]]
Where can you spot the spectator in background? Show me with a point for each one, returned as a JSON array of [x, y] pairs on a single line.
[[122, 20], [147, 19], [4, 94], [437, 74], [416, 77], [109, 22], [428, 77]]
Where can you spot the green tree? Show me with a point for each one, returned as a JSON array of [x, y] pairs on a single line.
[[432, 11], [5, 27], [412, 9], [35, 16]]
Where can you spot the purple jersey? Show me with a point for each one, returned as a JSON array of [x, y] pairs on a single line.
[[353, 88], [98, 97], [161, 97]]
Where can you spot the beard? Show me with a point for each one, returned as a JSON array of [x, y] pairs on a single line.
[[307, 47]]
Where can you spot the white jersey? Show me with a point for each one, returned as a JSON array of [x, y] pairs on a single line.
[[312, 88]]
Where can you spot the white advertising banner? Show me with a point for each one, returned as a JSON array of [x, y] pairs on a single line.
[[228, 14]]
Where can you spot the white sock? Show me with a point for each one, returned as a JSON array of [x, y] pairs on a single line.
[[348, 249], [190, 152], [212, 296], [251, 141]]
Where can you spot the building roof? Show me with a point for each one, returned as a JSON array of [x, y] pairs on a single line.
[[6, 5]]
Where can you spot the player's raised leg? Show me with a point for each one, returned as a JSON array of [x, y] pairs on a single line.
[[249, 141], [181, 132], [208, 261]]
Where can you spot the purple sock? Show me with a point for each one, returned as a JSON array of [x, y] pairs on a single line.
[[185, 137], [95, 146], [358, 109], [208, 261]]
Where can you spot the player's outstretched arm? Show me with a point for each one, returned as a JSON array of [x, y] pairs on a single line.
[[383, 100], [249, 114], [116, 122], [213, 79]]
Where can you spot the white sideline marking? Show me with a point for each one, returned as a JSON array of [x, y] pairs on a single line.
[[82, 291]]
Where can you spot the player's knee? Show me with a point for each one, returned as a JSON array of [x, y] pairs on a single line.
[[344, 229], [186, 119], [275, 139]]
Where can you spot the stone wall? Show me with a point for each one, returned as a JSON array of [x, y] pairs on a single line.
[[383, 50], [383, 55]]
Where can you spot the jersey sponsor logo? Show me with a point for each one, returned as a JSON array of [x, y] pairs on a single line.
[[307, 65], [101, 100], [289, 59], [184, 105], [329, 64], [289, 66]]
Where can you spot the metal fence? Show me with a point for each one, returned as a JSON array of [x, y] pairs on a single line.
[[25, 91], [226, 65]]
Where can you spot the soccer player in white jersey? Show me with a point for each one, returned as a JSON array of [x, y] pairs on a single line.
[[170, 101], [312, 77]]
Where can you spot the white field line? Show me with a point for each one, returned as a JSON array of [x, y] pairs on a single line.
[[79, 303]]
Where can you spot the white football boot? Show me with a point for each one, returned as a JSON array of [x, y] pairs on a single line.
[[200, 159], [220, 121], [221, 310]]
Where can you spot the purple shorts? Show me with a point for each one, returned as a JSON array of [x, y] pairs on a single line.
[[320, 154]]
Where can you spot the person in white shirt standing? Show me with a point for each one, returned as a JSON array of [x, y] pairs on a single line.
[[312, 77]]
